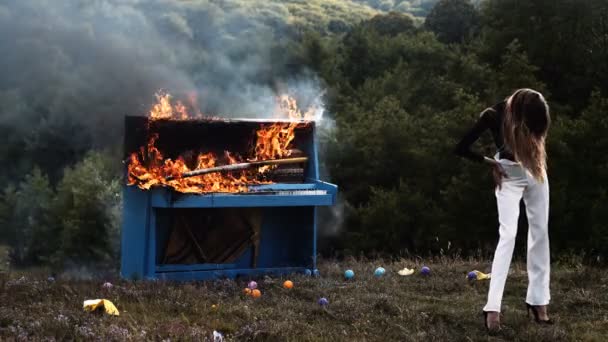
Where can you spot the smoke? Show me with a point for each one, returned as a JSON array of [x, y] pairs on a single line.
[[72, 69], [89, 63], [331, 219], [85, 62]]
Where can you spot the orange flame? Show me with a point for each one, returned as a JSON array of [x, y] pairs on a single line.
[[148, 167], [164, 109], [288, 108]]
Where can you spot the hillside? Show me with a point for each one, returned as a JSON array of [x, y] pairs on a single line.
[[417, 8]]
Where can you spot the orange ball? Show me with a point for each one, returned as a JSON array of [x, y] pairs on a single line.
[[247, 291], [288, 284], [256, 293]]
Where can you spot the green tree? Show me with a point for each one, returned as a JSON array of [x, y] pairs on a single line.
[[7, 203], [25, 216], [564, 38], [85, 210], [578, 172], [515, 71], [309, 52], [392, 24], [396, 220], [453, 21]]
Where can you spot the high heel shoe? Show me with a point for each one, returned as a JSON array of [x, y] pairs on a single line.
[[537, 316], [485, 322]]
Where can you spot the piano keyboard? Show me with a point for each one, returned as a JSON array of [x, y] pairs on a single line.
[[290, 192], [301, 192]]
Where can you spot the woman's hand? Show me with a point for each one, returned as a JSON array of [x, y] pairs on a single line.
[[498, 172]]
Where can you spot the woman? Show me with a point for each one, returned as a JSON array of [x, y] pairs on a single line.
[[519, 127]]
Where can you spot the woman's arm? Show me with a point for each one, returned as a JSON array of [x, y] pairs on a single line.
[[487, 120], [490, 161], [463, 148]]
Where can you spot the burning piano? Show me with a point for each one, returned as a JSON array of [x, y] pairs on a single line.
[[207, 198]]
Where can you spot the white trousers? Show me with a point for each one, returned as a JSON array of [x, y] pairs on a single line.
[[521, 184]]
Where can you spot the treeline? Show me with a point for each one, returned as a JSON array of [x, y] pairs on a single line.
[[401, 93], [402, 96], [418, 8], [73, 69], [73, 222]]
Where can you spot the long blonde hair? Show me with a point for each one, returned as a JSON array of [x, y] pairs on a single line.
[[525, 128]]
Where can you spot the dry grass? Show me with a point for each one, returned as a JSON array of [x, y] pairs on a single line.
[[441, 307]]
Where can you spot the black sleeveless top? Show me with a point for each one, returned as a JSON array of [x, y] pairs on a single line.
[[490, 119]]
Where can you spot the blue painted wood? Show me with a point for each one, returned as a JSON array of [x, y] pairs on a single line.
[[325, 186], [309, 148], [288, 236], [244, 261], [151, 247], [330, 188], [165, 198], [193, 267], [231, 274], [162, 231], [315, 153], [314, 239], [136, 210]]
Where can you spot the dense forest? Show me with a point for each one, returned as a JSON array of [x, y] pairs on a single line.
[[417, 8], [401, 82]]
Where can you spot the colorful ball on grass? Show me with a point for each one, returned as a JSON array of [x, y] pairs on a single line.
[[349, 274], [323, 301], [252, 285], [288, 284], [425, 270], [256, 293], [247, 291], [472, 276], [379, 272]]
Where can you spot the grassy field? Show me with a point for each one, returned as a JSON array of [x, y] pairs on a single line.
[[440, 307]]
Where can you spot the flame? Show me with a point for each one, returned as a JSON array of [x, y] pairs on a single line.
[[158, 169], [273, 141], [288, 107], [164, 109], [148, 167]]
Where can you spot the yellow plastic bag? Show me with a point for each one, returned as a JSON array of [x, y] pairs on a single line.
[[94, 304], [481, 275], [406, 272]]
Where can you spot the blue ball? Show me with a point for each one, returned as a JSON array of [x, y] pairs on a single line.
[[349, 274], [472, 276], [425, 270], [379, 272], [308, 272], [316, 272], [323, 301]]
